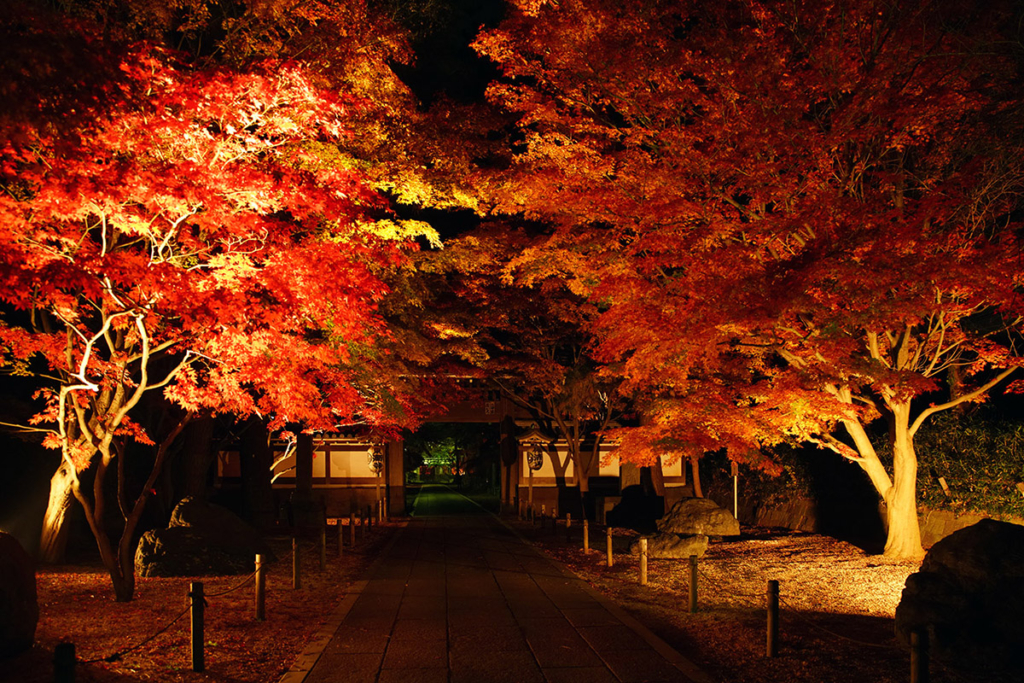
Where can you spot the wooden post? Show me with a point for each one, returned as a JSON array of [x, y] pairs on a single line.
[[341, 539], [195, 592], [530, 485], [693, 584], [919, 656], [64, 663], [352, 529], [735, 471], [586, 536], [296, 564], [568, 527], [643, 560], [611, 559], [323, 548], [773, 618], [369, 517], [261, 590]]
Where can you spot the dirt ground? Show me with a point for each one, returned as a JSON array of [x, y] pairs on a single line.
[[837, 604], [76, 604], [836, 623]]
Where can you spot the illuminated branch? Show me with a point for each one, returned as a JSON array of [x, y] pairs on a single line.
[[833, 444], [969, 396]]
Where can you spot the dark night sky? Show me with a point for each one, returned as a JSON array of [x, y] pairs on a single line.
[[445, 62]]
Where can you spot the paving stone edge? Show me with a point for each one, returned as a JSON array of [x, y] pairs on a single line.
[[310, 655], [671, 655]]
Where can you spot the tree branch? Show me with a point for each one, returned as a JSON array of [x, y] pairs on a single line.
[[969, 396]]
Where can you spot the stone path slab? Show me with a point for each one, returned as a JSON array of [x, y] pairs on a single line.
[[459, 597]]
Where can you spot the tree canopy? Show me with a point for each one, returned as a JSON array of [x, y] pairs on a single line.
[[759, 222], [795, 216]]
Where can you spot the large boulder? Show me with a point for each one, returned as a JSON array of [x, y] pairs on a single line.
[[663, 546], [968, 596], [691, 516], [201, 539], [19, 609]]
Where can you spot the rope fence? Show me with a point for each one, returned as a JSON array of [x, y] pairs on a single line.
[[120, 653], [770, 602], [65, 660]]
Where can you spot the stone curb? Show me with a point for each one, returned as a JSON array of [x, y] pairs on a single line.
[[310, 655], [694, 673]]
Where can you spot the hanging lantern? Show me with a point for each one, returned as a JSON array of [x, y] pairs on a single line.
[[535, 456], [375, 458]]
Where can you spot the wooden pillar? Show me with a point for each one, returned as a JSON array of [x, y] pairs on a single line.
[[304, 467], [304, 509], [256, 458], [394, 474], [629, 475]]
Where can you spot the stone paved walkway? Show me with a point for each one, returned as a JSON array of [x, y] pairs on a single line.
[[459, 597]]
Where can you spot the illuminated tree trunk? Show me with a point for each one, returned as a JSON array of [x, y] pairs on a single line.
[[903, 540], [54, 539]]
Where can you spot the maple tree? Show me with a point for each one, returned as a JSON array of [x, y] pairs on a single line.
[[183, 225], [462, 307], [540, 358], [797, 217]]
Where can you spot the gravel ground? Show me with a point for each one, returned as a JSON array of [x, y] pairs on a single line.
[[837, 605]]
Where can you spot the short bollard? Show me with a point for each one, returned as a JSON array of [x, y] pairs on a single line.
[[918, 656], [352, 529], [323, 548], [195, 592], [568, 527], [296, 564], [693, 584], [586, 536], [362, 525], [543, 515], [341, 539], [611, 557], [369, 517], [261, 590], [773, 618], [643, 560], [64, 663]]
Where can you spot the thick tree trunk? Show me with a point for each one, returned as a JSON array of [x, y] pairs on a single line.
[[197, 457], [629, 475], [904, 537], [658, 478], [54, 539], [122, 582], [698, 492], [256, 461], [903, 541]]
